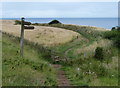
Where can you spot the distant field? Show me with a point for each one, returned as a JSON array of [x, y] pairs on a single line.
[[48, 36]]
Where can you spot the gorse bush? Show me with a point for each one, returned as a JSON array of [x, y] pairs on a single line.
[[115, 29], [113, 35], [99, 53], [54, 22]]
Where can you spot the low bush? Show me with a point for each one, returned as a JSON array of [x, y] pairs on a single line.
[[54, 22], [115, 36], [99, 53]]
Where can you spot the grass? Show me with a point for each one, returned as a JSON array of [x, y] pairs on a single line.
[[91, 72], [47, 36], [81, 67], [32, 70], [88, 32], [101, 73]]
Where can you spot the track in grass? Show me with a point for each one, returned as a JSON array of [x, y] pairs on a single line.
[[62, 79]]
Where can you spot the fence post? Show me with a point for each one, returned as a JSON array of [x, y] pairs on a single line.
[[22, 37]]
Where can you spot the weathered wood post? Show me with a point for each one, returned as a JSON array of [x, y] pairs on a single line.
[[22, 33], [22, 37]]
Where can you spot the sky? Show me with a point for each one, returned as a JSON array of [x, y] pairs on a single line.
[[59, 9]]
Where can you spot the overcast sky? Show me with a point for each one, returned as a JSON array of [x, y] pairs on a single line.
[[59, 9]]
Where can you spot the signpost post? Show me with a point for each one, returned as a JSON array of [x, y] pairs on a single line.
[[22, 34]]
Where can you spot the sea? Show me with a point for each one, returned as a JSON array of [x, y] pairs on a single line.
[[106, 23]]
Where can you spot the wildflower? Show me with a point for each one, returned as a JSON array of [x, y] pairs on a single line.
[[78, 69], [112, 75], [89, 72]]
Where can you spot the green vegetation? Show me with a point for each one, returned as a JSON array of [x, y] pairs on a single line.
[[32, 70], [80, 64], [87, 71], [87, 31], [77, 57], [99, 53], [115, 36]]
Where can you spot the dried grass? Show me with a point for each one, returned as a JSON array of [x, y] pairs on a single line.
[[48, 36]]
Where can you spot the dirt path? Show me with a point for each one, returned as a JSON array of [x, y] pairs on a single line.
[[62, 79], [75, 45]]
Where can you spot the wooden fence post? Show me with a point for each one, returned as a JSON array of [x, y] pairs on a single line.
[[22, 37]]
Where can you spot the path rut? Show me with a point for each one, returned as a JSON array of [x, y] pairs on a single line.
[[62, 79]]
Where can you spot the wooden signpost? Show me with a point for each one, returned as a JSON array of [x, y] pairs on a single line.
[[22, 34]]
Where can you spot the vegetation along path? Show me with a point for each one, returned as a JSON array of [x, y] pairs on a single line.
[[62, 79]]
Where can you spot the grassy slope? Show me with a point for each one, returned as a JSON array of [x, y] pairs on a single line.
[[83, 69], [32, 70], [88, 71], [48, 36]]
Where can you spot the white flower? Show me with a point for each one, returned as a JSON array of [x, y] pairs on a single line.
[[89, 72], [78, 69], [112, 75]]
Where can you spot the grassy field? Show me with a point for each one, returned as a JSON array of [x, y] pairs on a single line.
[[86, 70], [32, 70], [88, 32], [76, 57], [47, 36], [81, 67]]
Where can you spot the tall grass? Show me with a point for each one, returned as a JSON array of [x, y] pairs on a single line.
[[84, 69], [32, 70], [46, 52], [87, 31], [91, 72]]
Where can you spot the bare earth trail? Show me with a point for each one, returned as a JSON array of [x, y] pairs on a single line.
[[62, 79]]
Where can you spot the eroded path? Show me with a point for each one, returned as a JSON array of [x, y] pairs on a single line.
[[62, 79]]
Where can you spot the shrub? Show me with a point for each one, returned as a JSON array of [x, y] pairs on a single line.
[[115, 36], [115, 29], [99, 53], [54, 22], [111, 34], [117, 42]]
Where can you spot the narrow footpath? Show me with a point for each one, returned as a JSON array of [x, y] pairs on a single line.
[[62, 79]]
